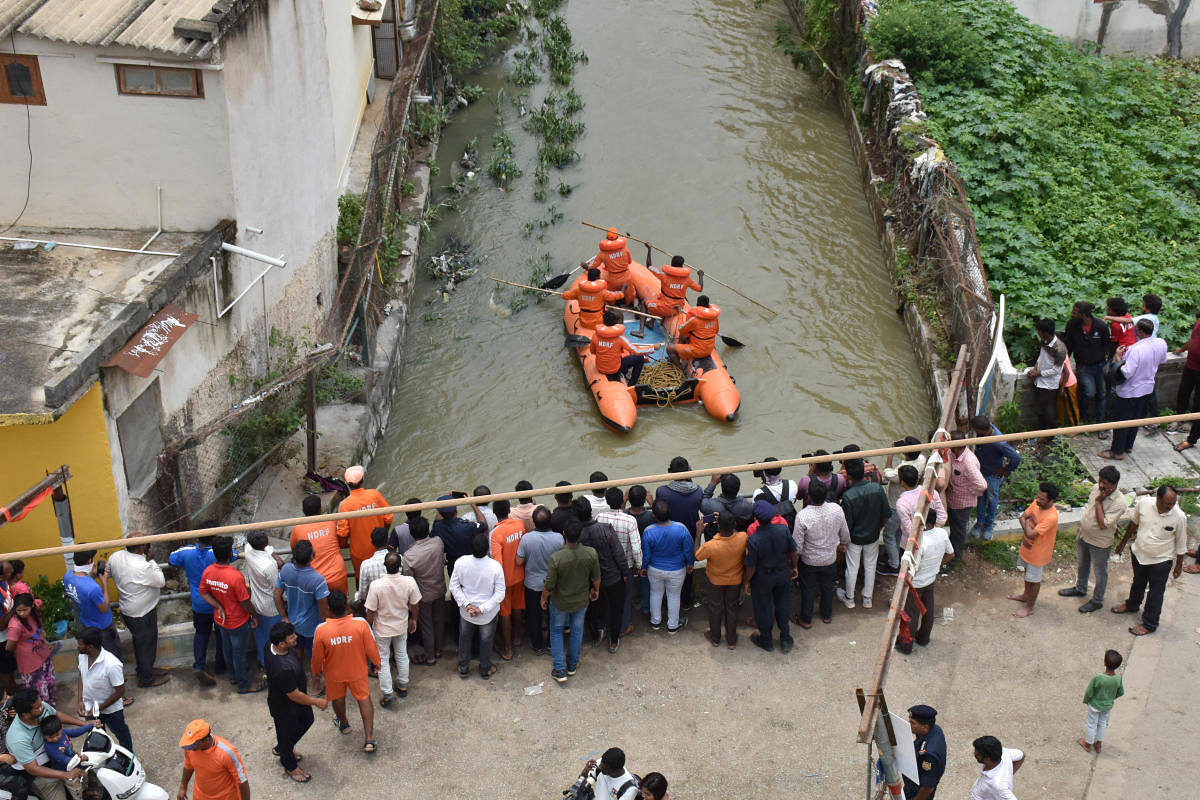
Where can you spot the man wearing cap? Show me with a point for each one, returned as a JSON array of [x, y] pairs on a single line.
[[357, 530], [455, 532], [770, 567], [930, 746], [218, 766]]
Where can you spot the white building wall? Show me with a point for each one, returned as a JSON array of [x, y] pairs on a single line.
[[98, 154], [351, 62], [1132, 27], [282, 152]]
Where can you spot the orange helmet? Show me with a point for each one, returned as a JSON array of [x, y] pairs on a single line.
[[613, 233]]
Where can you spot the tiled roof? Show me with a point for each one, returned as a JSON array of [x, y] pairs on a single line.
[[146, 24]]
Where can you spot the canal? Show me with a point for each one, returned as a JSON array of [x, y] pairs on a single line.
[[703, 139]]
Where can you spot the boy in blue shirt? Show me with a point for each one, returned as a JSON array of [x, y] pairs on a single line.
[[195, 558], [59, 752]]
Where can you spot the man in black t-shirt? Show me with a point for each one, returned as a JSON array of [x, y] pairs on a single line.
[[770, 569], [290, 706]]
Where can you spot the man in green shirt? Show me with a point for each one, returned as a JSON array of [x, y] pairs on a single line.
[[572, 580], [28, 748], [866, 507]]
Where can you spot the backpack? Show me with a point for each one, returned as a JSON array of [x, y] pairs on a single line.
[[783, 506]]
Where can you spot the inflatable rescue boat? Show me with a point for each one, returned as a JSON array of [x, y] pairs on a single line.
[[709, 384]]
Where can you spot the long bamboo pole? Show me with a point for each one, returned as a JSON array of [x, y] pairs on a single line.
[[868, 730], [672, 255], [586, 487], [551, 291]]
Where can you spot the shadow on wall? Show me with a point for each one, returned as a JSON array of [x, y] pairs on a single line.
[[1147, 27]]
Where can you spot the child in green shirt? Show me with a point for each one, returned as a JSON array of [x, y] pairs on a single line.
[[1099, 696]]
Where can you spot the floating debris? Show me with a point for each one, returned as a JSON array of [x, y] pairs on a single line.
[[451, 267]]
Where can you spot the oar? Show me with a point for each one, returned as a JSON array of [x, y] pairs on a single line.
[[576, 340], [729, 340], [560, 279], [706, 274]]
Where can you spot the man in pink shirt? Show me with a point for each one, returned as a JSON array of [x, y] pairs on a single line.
[[962, 494]]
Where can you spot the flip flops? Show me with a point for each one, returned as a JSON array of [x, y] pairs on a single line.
[[294, 776], [342, 725], [369, 746]]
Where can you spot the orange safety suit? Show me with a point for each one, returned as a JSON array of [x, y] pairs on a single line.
[[614, 260], [674, 283], [698, 334], [356, 532], [592, 297]]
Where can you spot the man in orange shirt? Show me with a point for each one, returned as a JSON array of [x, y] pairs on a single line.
[[506, 536], [327, 543], [342, 646], [1039, 524], [726, 555], [218, 766], [357, 531]]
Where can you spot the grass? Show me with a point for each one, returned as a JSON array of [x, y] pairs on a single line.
[[1003, 554]]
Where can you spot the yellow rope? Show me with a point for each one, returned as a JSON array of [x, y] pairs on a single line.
[[663, 376]]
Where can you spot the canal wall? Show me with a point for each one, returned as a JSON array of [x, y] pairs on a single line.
[[919, 203]]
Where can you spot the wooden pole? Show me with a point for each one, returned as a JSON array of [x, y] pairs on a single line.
[[310, 409], [587, 487], [672, 255], [867, 728]]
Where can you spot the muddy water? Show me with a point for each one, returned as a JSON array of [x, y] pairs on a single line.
[[704, 140]]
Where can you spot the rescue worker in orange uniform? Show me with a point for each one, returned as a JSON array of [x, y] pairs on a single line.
[[674, 280], [593, 294], [697, 336], [614, 260], [614, 354], [356, 532]]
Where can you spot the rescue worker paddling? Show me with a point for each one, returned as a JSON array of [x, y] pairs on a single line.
[[675, 279], [614, 260], [614, 354], [697, 336], [593, 294]]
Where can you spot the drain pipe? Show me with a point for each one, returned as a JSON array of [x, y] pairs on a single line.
[[241, 251], [88, 246], [157, 232], [66, 525], [408, 20]]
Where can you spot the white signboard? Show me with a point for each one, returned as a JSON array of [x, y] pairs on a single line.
[[906, 753]]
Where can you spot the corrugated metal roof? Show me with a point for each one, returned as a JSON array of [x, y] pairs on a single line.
[[147, 24]]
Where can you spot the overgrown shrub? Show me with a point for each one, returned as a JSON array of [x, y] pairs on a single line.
[[1083, 171], [350, 211], [932, 38]]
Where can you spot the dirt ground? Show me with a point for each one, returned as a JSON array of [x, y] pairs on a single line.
[[717, 723]]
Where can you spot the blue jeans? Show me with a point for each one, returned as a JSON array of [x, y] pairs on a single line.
[[559, 621], [202, 623], [262, 635], [985, 507], [1092, 388], [234, 642]]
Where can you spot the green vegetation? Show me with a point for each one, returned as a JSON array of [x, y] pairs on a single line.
[[556, 44], [1083, 170], [503, 167], [350, 211], [428, 120], [1004, 554], [56, 607], [1187, 500], [335, 385], [556, 132], [525, 73], [465, 29], [1008, 418], [1060, 467]]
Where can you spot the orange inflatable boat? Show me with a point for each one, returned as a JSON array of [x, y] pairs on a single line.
[[710, 384]]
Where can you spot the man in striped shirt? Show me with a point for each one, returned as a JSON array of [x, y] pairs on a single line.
[[630, 539]]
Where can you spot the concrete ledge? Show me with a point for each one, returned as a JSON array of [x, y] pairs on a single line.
[[174, 650]]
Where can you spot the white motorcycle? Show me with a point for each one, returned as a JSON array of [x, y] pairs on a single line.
[[112, 772]]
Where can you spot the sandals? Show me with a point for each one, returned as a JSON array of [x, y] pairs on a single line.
[[1184, 445], [297, 756], [342, 725], [369, 746], [296, 775], [492, 671]]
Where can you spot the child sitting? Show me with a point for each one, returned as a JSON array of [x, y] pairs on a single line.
[[59, 752]]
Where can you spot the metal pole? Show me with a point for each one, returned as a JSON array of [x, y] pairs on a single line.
[[66, 529], [310, 408], [887, 756]]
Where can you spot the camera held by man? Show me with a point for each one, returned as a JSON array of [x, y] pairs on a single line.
[[607, 778]]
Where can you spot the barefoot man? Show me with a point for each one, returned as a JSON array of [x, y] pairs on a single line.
[[1039, 525]]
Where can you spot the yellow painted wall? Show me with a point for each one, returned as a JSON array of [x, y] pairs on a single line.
[[78, 439]]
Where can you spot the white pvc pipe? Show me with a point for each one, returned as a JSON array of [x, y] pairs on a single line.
[[88, 246], [157, 232], [241, 251]]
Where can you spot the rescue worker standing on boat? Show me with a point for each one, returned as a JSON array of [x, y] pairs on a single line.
[[675, 279], [593, 294], [614, 354], [697, 336], [614, 260]]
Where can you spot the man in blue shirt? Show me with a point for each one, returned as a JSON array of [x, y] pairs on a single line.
[[996, 461], [87, 586], [455, 532], [194, 559], [683, 498], [667, 556], [300, 597]]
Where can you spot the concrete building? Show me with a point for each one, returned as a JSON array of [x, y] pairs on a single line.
[[214, 122], [1148, 27]]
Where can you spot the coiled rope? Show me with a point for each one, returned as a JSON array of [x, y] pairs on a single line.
[[666, 379]]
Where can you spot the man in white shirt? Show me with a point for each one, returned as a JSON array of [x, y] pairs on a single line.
[[477, 585], [1047, 374], [597, 496], [1160, 528], [999, 765], [393, 603], [489, 516], [613, 781], [139, 582], [935, 550], [101, 685], [262, 571]]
